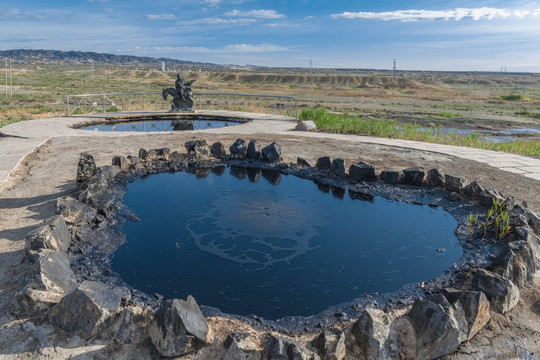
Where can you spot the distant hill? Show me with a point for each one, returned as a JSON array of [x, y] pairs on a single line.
[[57, 56]]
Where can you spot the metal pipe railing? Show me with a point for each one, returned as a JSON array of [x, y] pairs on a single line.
[[89, 103]]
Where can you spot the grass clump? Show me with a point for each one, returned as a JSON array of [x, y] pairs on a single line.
[[389, 128], [496, 220], [512, 97]]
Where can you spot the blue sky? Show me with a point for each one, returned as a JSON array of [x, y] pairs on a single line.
[[420, 35]]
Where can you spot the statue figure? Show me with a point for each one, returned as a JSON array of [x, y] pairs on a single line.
[[181, 93]]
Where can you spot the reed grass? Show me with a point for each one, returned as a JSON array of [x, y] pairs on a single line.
[[390, 128]]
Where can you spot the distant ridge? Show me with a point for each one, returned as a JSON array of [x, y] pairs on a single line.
[[57, 56]]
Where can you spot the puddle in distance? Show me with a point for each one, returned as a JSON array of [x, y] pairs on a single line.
[[246, 245]]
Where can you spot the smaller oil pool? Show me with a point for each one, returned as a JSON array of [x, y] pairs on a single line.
[[252, 242], [154, 125]]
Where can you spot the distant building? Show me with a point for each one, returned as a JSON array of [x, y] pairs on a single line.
[[163, 66]]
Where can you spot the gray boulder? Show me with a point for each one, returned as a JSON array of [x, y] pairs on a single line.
[[131, 325], [532, 219], [303, 162], [439, 326], [414, 175], [518, 263], [238, 149], [473, 190], [362, 171], [52, 279], [143, 154], [218, 150], [253, 150], [435, 178], [476, 307], [121, 162], [323, 163], [107, 173], [86, 168], [402, 339], [280, 348], [502, 294], [75, 212], [197, 148], [86, 311], [179, 328], [53, 273], [330, 344], [154, 154], [525, 233], [487, 196], [337, 168], [52, 235], [178, 159], [242, 346], [97, 196], [392, 176], [371, 333], [271, 153], [455, 183]]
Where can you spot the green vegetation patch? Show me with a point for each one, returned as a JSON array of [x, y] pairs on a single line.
[[389, 128]]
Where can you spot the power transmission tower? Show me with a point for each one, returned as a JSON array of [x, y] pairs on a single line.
[[394, 67], [310, 65]]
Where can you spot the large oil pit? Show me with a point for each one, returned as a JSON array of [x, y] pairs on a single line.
[[258, 242]]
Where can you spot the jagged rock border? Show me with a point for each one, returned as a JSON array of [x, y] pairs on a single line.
[[435, 325]]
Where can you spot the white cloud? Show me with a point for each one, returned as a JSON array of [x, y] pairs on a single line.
[[227, 49], [262, 14], [282, 25], [452, 14], [216, 21], [213, 2], [161, 17], [17, 14], [246, 48]]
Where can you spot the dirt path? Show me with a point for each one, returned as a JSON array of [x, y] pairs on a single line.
[[29, 195]]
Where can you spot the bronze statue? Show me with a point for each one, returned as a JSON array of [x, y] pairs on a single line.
[[181, 93]]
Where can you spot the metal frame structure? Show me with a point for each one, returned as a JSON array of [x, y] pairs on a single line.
[[153, 101]]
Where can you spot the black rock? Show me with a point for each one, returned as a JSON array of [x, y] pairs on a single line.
[[337, 168], [323, 163], [271, 153], [197, 147], [86, 168], [435, 178], [238, 149], [253, 150], [391, 176], [302, 162], [218, 150], [414, 175], [455, 183], [362, 171]]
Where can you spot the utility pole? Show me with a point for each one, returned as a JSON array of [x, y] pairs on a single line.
[[469, 86], [475, 83], [310, 65], [394, 68], [10, 78], [6, 70]]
